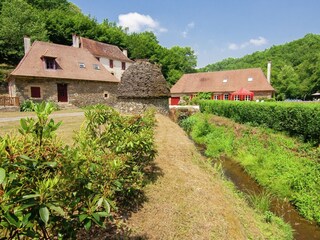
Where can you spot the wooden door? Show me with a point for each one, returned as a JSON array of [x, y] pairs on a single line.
[[62, 92]]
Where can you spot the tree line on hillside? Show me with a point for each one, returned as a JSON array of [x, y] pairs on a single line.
[[295, 67], [57, 20]]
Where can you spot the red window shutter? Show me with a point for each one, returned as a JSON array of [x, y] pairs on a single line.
[[123, 65], [35, 92], [175, 100], [111, 63]]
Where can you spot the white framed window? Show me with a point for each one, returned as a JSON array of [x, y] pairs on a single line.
[[226, 96], [82, 65], [50, 63], [216, 97], [247, 98], [96, 66], [236, 97]]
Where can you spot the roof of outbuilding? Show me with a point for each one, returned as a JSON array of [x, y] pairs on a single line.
[[67, 58], [100, 49], [143, 80], [252, 79]]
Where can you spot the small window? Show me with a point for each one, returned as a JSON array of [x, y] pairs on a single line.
[[35, 92], [50, 63], [123, 65], [226, 97], [247, 98], [112, 73], [216, 97], [250, 79], [98, 59], [225, 80], [96, 66], [236, 97], [82, 65], [106, 95], [111, 63]]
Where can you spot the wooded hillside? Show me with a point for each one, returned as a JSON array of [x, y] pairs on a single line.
[[57, 20], [295, 66]]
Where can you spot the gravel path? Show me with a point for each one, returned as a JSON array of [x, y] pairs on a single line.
[[12, 119]]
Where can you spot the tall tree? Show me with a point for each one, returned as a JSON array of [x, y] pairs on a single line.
[[17, 19], [142, 45]]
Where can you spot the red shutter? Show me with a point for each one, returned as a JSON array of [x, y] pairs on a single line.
[[123, 65], [175, 100], [35, 92], [111, 63]]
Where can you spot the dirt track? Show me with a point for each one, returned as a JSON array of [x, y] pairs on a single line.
[[189, 200]]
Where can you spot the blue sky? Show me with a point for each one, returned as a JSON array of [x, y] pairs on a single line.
[[214, 29]]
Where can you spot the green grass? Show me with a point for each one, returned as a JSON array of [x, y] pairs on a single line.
[[286, 167], [65, 132]]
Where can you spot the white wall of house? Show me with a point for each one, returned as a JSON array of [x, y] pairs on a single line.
[[117, 66]]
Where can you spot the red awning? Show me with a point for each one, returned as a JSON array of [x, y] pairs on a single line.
[[242, 92]]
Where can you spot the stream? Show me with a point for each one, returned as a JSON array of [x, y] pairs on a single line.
[[303, 229]]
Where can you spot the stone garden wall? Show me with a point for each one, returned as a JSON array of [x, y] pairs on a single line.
[[139, 105]]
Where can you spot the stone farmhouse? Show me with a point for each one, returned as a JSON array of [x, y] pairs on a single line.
[[243, 84], [63, 74], [111, 57]]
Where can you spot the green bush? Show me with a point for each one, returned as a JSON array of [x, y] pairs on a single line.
[[28, 106], [48, 190], [297, 119]]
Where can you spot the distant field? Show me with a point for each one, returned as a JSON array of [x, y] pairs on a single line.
[[66, 131]]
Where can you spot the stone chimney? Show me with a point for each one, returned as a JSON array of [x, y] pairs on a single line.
[[75, 41], [125, 52], [27, 44], [269, 72]]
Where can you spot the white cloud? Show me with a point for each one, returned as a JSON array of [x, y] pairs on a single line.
[[191, 25], [137, 22], [233, 46], [259, 41], [187, 29], [252, 42]]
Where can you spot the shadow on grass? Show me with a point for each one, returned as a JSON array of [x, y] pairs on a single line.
[[118, 229]]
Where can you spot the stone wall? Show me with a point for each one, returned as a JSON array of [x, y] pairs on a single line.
[[80, 93], [262, 95], [139, 105]]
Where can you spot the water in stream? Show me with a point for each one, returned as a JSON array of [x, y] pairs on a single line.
[[303, 229]]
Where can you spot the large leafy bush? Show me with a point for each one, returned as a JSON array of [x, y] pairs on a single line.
[[49, 190], [297, 119]]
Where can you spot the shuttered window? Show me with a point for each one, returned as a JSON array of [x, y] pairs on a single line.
[[35, 92], [111, 63], [123, 65]]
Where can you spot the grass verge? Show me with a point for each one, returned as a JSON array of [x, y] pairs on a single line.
[[286, 167]]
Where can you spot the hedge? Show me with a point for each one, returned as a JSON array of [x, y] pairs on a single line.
[[297, 119]]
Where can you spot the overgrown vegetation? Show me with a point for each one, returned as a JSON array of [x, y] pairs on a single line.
[[48, 190], [295, 66], [29, 106], [297, 119], [284, 166]]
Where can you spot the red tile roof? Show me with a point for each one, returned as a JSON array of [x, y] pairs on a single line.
[[251, 79], [100, 49], [67, 58]]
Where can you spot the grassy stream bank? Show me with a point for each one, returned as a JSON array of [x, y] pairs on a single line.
[[283, 165]]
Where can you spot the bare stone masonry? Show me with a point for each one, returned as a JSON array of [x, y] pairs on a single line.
[[143, 85]]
